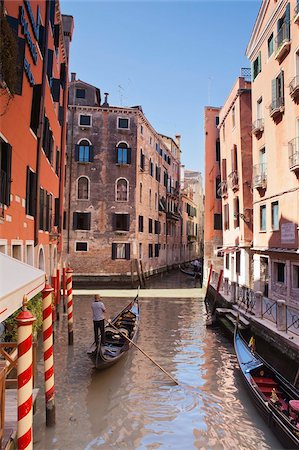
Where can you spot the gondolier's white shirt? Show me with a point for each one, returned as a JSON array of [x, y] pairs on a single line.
[[98, 310]]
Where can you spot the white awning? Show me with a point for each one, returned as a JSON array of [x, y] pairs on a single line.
[[16, 280]]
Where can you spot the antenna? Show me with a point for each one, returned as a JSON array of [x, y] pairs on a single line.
[[121, 94]]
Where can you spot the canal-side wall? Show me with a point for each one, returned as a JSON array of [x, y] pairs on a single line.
[[280, 349]]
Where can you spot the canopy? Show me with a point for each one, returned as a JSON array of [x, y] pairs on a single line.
[[16, 280]]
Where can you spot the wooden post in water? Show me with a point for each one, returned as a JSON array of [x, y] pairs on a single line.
[[70, 319]]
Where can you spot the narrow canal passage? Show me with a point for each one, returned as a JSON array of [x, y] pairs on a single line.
[[133, 405]]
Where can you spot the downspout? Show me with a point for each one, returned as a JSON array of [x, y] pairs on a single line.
[[70, 163], [41, 125]]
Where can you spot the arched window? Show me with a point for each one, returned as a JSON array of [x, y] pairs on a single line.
[[123, 153], [150, 198], [84, 151], [83, 188], [41, 259], [140, 193], [122, 190]]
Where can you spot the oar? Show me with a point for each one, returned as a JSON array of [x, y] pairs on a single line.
[[142, 351]]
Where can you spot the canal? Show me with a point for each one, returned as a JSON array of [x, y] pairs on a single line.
[[133, 405]]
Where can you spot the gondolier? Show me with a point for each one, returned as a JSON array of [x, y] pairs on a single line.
[[98, 313]]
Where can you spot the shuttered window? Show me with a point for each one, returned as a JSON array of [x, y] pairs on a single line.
[[56, 212], [35, 107], [81, 221], [55, 89], [257, 66], [84, 152], [140, 224], [150, 250], [150, 225], [50, 64], [30, 192], [5, 172], [121, 251], [121, 222]]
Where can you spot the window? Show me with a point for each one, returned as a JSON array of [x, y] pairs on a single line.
[[84, 120], [295, 277], [157, 227], [274, 216], [150, 250], [217, 187], [257, 66], [48, 141], [140, 224], [142, 160], [158, 173], [17, 251], [236, 212], [279, 272], [218, 150], [84, 152], [122, 190], [278, 91], [121, 222], [121, 251], [227, 261], [30, 192], [140, 251], [263, 218], [80, 93], [226, 217], [57, 161], [5, 172], [283, 27], [217, 121], [123, 154], [238, 262], [141, 129], [270, 45], [35, 107], [150, 199], [140, 192], [83, 188], [150, 225], [217, 221], [151, 164], [81, 246], [233, 117], [157, 250], [123, 123], [81, 220]]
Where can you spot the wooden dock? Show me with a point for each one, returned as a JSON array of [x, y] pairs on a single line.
[[11, 417]]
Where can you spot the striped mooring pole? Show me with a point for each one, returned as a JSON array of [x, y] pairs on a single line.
[[58, 287], [64, 287], [48, 355], [53, 280], [70, 320], [24, 321]]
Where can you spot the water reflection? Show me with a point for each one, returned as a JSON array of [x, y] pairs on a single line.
[[133, 405]]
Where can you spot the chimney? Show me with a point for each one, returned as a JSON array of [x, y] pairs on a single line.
[[178, 140], [73, 76], [106, 99]]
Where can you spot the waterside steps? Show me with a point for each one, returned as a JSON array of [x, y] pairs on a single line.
[[228, 317]]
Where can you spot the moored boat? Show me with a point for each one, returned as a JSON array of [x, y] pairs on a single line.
[[272, 394], [126, 323]]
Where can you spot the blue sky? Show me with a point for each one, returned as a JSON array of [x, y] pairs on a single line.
[[171, 57]]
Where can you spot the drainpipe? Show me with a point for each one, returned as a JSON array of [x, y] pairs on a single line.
[[41, 125], [70, 163]]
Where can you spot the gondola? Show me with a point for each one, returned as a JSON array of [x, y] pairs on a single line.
[[190, 272], [116, 345], [260, 379]]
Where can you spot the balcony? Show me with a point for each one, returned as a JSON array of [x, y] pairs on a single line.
[[258, 127], [222, 190], [282, 42], [294, 155], [170, 215], [259, 180], [294, 88], [276, 108], [172, 191], [296, 14], [233, 178]]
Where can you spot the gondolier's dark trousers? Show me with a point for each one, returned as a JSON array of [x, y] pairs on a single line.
[[99, 324]]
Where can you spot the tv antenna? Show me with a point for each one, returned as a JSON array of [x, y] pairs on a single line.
[[121, 94]]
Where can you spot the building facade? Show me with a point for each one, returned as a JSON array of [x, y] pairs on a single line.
[[34, 82], [213, 211], [274, 53], [235, 188], [122, 190]]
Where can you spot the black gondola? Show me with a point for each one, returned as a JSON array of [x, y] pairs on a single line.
[[192, 272], [262, 381], [116, 345]]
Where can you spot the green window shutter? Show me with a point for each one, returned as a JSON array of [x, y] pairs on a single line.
[[259, 63], [287, 22], [274, 90]]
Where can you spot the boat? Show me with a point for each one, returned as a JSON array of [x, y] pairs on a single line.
[[191, 272], [126, 323], [271, 393]]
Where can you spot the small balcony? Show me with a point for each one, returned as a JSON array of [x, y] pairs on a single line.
[[170, 215], [282, 42], [296, 14], [294, 155], [259, 180], [294, 88], [233, 179], [222, 190], [258, 127], [276, 108]]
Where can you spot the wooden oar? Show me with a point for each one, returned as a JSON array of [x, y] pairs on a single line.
[[142, 351]]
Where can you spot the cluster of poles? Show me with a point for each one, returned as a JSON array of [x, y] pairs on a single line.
[[51, 296]]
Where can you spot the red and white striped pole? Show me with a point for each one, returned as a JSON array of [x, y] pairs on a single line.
[[53, 280], [48, 355], [70, 320], [64, 287], [25, 321], [57, 291]]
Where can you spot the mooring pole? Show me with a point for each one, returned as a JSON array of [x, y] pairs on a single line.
[[24, 321], [70, 320], [48, 355], [64, 287], [57, 291], [54, 279]]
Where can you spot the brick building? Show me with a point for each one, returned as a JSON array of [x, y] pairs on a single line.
[[235, 126], [274, 52], [33, 130], [122, 189], [213, 211]]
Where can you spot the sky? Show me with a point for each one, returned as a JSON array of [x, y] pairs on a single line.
[[171, 57]]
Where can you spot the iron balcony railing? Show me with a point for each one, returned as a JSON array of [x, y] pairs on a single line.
[[258, 126], [3, 187], [222, 190], [259, 179], [276, 106], [283, 36], [233, 178], [294, 86], [294, 154]]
